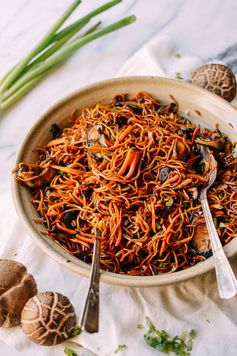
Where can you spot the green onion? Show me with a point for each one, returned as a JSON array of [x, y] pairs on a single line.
[[216, 223], [87, 17], [179, 76], [69, 352], [40, 47], [18, 95], [161, 265], [120, 348], [57, 45], [77, 331], [54, 48], [92, 28], [170, 202], [163, 342]]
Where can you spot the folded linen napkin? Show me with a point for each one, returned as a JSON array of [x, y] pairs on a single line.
[[192, 304], [160, 58]]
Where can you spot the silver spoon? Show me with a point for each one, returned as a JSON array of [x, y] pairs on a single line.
[[90, 315], [226, 281]]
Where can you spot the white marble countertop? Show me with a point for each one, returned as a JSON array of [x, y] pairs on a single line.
[[199, 27]]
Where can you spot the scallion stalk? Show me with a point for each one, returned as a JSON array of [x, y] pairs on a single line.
[[59, 44], [54, 48], [87, 17], [18, 94], [93, 28], [65, 52], [41, 46]]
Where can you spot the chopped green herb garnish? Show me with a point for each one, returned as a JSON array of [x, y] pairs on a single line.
[[163, 342], [174, 268], [120, 348], [215, 222], [74, 343], [170, 202], [179, 76], [177, 55], [77, 330], [60, 173], [192, 251], [69, 352], [161, 265], [191, 337], [158, 227], [140, 326], [224, 136]]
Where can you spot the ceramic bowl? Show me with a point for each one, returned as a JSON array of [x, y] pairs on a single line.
[[201, 106]]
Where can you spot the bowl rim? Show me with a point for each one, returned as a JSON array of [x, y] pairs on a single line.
[[83, 268]]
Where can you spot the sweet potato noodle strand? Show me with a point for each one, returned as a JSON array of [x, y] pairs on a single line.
[[132, 170]]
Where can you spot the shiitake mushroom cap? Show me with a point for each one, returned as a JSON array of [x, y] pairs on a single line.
[[201, 242], [216, 78], [48, 318], [16, 287]]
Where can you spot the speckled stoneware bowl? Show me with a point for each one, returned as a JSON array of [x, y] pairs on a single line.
[[199, 105]]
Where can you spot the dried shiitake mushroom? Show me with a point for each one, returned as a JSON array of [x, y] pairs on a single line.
[[33, 175], [217, 78], [16, 287], [180, 150], [48, 318], [201, 241]]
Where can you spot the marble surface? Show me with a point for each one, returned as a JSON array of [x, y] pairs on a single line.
[[198, 27]]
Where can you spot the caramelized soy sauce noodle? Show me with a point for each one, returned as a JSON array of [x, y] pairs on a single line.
[[132, 169]]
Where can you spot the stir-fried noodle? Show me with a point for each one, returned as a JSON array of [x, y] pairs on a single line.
[[132, 170]]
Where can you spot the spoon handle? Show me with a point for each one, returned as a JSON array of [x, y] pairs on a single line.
[[226, 280], [90, 315]]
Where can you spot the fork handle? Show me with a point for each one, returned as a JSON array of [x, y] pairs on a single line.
[[90, 315], [226, 281]]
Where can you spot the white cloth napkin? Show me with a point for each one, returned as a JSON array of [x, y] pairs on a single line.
[[192, 304], [160, 58]]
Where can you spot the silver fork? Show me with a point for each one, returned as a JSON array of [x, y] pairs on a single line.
[[90, 315], [226, 281]]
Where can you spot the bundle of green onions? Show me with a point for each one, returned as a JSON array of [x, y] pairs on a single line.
[[56, 46]]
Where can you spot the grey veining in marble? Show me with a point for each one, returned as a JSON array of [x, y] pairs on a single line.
[[229, 57]]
